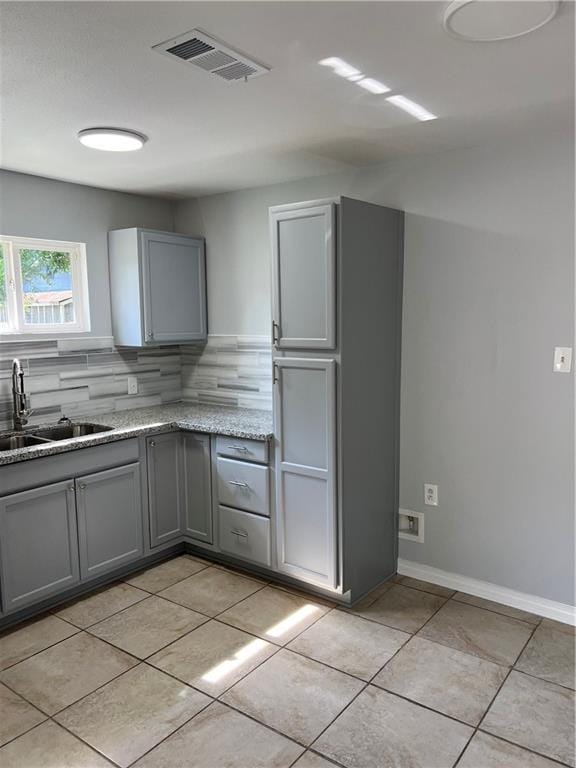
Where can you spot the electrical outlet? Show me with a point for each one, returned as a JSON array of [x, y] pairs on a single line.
[[430, 495], [132, 385], [562, 359]]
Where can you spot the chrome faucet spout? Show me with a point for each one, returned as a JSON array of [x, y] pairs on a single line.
[[21, 409]]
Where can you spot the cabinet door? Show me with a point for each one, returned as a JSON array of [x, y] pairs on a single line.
[[174, 282], [38, 544], [109, 519], [197, 487], [304, 415], [304, 284], [165, 487]]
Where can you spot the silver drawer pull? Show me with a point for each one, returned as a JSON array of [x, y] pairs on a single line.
[[239, 484], [239, 533], [237, 448]]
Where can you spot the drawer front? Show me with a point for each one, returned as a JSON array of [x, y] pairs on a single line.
[[247, 450], [244, 535], [243, 485]]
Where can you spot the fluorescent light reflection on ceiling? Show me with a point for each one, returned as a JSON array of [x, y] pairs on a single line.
[[229, 665], [374, 86], [411, 107], [341, 67], [292, 620]]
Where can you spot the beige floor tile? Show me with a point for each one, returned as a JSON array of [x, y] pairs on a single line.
[[534, 714], [133, 713], [379, 730], [482, 633], [550, 655], [61, 675], [211, 591], [401, 608], [162, 576], [30, 638], [274, 614], [371, 597], [560, 626], [294, 695], [220, 738], [98, 606], [213, 657], [310, 760], [444, 679], [490, 605], [485, 751], [425, 586], [149, 625], [50, 746], [16, 715], [350, 643]]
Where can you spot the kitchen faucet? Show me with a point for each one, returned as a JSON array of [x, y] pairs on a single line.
[[21, 409]]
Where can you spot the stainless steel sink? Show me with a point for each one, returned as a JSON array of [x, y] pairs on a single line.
[[10, 442], [66, 431]]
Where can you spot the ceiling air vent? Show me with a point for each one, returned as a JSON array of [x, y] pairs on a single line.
[[202, 51]]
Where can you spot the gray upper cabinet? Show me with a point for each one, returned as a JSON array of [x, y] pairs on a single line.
[[165, 497], [38, 544], [109, 519], [158, 287], [305, 425], [198, 487], [304, 276]]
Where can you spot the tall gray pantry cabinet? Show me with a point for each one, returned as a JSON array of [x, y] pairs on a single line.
[[336, 328]]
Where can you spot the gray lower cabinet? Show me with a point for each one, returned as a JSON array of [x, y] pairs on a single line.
[[165, 496], [38, 544], [197, 487], [305, 414], [179, 487], [109, 519]]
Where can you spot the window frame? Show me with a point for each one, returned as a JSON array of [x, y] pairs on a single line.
[[16, 325]]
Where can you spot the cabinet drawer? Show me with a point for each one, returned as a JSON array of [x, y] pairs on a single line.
[[247, 450], [243, 485], [244, 535]]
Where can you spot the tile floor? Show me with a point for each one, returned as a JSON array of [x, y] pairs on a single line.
[[191, 665]]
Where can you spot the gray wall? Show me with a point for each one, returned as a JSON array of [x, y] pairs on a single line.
[[32, 206], [489, 283]]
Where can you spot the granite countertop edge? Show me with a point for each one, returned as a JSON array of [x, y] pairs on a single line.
[[244, 423]]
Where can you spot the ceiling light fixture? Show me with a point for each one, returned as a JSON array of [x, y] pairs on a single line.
[[374, 86], [341, 67], [411, 107], [112, 139], [486, 21]]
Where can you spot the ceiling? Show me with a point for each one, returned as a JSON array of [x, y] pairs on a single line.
[[72, 65]]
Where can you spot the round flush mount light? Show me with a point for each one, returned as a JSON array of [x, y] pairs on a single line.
[[112, 139], [487, 21]]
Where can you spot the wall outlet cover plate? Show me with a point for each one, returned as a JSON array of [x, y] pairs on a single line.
[[562, 359]]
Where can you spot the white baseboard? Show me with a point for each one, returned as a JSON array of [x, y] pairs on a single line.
[[550, 609]]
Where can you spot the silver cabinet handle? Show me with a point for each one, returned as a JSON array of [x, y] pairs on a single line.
[[275, 333], [239, 533], [70, 489], [150, 335], [239, 484], [82, 486], [237, 448], [152, 443]]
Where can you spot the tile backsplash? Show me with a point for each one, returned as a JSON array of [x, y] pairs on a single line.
[[84, 377], [229, 370]]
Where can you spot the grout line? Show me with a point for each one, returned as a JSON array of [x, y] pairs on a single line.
[[536, 624]]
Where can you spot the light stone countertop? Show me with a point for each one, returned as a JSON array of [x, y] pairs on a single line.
[[248, 423]]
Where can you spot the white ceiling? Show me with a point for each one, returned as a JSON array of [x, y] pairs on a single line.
[[72, 65]]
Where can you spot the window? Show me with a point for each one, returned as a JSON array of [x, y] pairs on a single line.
[[43, 286]]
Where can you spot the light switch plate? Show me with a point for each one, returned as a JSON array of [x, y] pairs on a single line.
[[132, 385], [562, 359]]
